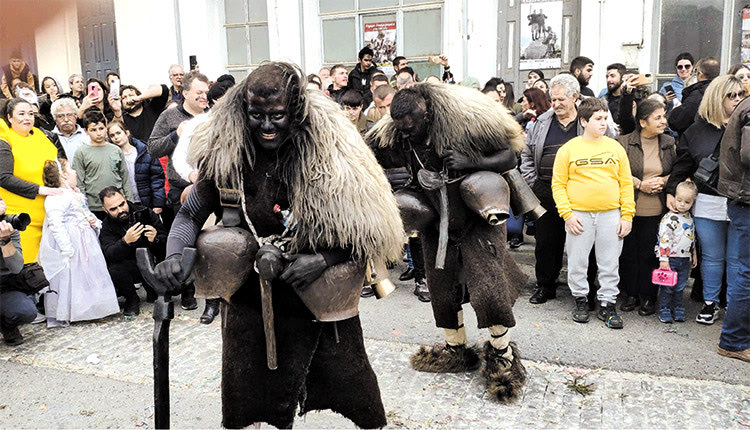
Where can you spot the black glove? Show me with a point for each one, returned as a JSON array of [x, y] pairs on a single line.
[[398, 177], [270, 262], [168, 273], [303, 270]]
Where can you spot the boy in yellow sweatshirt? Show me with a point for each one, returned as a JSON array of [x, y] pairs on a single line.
[[593, 190]]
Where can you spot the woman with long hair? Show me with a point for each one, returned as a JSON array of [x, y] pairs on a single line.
[[98, 96], [534, 102], [700, 141]]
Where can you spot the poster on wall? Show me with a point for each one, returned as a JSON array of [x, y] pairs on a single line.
[[540, 34], [745, 48], [381, 37]]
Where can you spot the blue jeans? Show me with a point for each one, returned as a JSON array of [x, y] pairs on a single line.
[[16, 308], [671, 297], [514, 225], [713, 240], [735, 334]]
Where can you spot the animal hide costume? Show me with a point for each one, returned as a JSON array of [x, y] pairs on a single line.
[[343, 209], [478, 269]]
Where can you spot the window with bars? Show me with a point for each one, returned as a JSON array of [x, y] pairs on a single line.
[[246, 25]]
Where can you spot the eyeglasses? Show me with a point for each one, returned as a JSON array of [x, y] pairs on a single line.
[[685, 66], [737, 95]]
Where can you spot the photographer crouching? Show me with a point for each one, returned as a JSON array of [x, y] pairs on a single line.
[[16, 308], [126, 227]]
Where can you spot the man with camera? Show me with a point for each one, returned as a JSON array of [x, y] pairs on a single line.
[[16, 308], [126, 227]]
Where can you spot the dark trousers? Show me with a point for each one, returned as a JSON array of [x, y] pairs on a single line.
[[671, 297], [16, 308], [417, 257], [638, 259], [550, 244], [125, 275]]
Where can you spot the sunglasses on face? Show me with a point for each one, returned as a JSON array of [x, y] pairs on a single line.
[[686, 66], [737, 95]]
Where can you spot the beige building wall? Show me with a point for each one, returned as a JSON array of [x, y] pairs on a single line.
[[57, 48]]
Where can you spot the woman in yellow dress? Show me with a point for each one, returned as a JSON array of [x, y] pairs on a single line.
[[23, 151]]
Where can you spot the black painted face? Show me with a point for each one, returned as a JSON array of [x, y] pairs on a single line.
[[268, 120], [413, 127]]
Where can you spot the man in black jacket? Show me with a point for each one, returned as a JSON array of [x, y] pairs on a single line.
[[683, 116], [359, 77], [127, 227]]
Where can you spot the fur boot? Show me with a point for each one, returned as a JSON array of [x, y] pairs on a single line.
[[505, 379], [445, 359]]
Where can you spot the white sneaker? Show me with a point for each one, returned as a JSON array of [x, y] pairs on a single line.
[[39, 318]]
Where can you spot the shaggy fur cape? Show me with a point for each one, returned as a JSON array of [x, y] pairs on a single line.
[[339, 194], [468, 122], [462, 119]]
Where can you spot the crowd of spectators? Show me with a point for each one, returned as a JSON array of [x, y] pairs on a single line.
[[670, 192]]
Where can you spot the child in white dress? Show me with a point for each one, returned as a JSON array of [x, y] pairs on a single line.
[[80, 287]]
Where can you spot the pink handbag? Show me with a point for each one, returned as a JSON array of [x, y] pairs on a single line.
[[667, 278]]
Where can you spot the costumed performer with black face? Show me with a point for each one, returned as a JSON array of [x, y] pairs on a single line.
[[454, 141], [286, 164]]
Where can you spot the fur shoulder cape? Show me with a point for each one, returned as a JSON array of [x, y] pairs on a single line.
[[463, 119], [338, 192]]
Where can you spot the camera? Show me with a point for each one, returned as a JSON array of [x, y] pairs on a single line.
[[17, 221]]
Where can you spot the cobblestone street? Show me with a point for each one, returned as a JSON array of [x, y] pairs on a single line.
[[110, 360]]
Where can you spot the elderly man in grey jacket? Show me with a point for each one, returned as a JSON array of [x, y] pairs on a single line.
[[16, 308], [551, 131]]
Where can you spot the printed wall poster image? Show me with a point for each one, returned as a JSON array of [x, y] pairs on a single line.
[[381, 37], [540, 34], [745, 48]]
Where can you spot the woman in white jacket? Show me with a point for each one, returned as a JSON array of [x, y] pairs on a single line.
[[80, 287]]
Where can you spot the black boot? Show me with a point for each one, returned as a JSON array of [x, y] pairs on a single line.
[[542, 294], [11, 336], [132, 306], [188, 298], [211, 310]]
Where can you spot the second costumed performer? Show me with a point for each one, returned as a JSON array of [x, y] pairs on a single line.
[[454, 142], [272, 147]]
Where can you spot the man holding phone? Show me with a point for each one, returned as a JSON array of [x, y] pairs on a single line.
[[126, 227], [673, 89]]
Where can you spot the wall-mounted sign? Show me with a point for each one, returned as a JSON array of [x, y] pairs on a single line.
[[541, 27], [745, 48], [381, 37]]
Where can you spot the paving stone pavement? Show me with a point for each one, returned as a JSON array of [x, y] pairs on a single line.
[[119, 348]]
